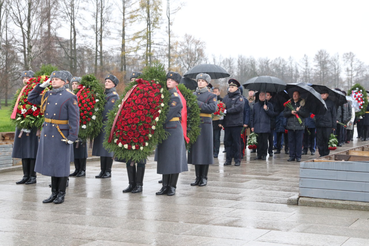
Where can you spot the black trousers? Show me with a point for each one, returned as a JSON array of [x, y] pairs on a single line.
[[270, 141], [216, 140], [279, 141], [309, 140], [262, 148], [295, 143], [322, 138], [232, 141]]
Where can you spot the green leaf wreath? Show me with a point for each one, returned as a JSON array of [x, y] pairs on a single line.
[[153, 74], [193, 115], [358, 88], [91, 102]]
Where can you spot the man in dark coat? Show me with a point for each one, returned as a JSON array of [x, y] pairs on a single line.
[[59, 131], [106, 157], [325, 124], [295, 126], [26, 145], [171, 153], [201, 152], [233, 122], [79, 147], [269, 98], [216, 127], [260, 124]]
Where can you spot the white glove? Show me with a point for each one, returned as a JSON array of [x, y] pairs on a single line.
[[45, 84], [26, 130], [225, 111], [70, 142]]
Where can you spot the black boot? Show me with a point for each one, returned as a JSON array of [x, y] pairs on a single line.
[[77, 166], [165, 183], [198, 174], [82, 168], [62, 185], [204, 175], [102, 167], [139, 179], [54, 188], [26, 167], [131, 171], [32, 173], [172, 184], [109, 163]]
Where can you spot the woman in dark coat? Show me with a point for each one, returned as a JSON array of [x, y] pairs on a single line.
[[294, 127], [171, 153], [201, 152], [80, 147], [26, 145], [106, 157]]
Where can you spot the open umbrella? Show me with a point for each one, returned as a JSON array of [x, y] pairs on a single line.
[[214, 71], [336, 96], [265, 83], [313, 101], [189, 83]]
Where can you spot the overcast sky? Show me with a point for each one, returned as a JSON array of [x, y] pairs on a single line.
[[277, 28]]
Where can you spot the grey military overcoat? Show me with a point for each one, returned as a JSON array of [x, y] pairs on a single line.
[[98, 149], [171, 153], [201, 152], [54, 155], [26, 146]]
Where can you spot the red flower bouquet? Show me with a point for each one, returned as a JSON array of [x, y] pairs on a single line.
[[91, 101], [289, 106], [220, 110], [25, 114]]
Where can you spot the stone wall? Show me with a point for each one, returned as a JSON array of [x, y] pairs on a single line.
[[6, 159]]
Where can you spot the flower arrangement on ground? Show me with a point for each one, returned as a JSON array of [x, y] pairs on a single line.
[[252, 140], [28, 115], [91, 101], [289, 106], [332, 143]]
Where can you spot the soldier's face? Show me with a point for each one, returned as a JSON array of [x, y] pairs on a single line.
[[75, 85], [171, 83], [232, 88], [109, 84], [57, 83], [201, 83], [25, 80]]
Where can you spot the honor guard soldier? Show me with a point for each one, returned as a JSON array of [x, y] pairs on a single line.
[[59, 131], [201, 152], [171, 153], [79, 147], [26, 145], [106, 157], [134, 76], [233, 122]]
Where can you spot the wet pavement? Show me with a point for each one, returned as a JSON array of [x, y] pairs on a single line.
[[245, 205]]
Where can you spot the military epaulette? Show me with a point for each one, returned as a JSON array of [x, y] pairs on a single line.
[[175, 94]]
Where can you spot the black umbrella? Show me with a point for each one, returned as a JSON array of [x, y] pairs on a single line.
[[336, 96], [265, 83], [214, 71], [189, 83], [279, 99], [313, 101]]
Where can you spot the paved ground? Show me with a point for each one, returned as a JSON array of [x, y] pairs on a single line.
[[244, 205]]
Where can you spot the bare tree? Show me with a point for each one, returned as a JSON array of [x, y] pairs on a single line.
[[191, 52], [306, 70], [26, 16], [335, 70], [321, 60]]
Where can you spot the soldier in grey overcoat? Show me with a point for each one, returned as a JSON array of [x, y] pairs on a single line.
[[106, 157], [171, 153], [79, 147], [201, 152], [59, 131], [26, 145]]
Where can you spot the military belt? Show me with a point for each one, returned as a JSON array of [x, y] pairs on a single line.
[[175, 119], [53, 121], [367, 112], [205, 115]]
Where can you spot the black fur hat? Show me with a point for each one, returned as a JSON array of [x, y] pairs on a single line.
[[112, 78], [175, 76]]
